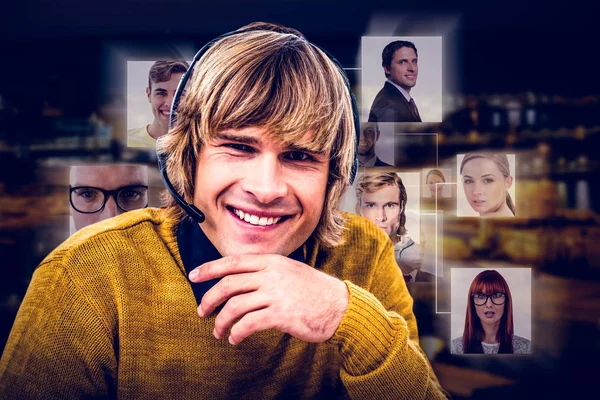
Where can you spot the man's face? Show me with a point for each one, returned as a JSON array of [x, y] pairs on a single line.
[[258, 196], [383, 207], [368, 138], [107, 178], [160, 96], [403, 70]]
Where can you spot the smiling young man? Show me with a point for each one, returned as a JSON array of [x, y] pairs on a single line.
[[163, 79], [369, 135], [394, 103], [310, 299]]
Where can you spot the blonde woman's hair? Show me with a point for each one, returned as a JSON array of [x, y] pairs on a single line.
[[501, 161], [372, 182], [277, 81]]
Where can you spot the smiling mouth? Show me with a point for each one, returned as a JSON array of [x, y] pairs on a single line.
[[257, 220], [165, 113], [478, 201]]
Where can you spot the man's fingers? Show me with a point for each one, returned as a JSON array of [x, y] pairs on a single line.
[[230, 285], [231, 265], [250, 323], [237, 307]]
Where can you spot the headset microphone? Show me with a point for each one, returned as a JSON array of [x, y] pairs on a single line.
[[190, 209]]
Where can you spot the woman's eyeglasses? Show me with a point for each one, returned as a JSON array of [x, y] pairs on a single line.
[[481, 298]]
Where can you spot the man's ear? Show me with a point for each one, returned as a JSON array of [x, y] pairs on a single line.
[[508, 181], [387, 71], [357, 208], [148, 94]]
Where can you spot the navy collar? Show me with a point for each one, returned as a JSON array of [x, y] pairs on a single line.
[[195, 249]]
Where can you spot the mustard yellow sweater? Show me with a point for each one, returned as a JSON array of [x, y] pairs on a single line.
[[110, 313]]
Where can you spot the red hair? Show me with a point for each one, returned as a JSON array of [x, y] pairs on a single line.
[[488, 282]]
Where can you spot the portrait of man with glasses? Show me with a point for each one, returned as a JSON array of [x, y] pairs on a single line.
[[100, 192]]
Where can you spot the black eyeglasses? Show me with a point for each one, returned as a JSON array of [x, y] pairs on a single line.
[[481, 298], [90, 199]]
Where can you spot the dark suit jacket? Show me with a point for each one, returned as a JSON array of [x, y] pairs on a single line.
[[424, 277], [379, 163], [391, 106]]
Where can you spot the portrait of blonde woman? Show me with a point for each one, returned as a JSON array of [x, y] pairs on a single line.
[[436, 183], [487, 181]]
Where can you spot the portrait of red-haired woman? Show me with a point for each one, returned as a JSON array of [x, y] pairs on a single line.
[[489, 327]]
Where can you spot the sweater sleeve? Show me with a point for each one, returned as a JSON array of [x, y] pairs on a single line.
[[378, 340], [58, 347]]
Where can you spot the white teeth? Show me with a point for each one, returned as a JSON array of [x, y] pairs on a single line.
[[255, 220]]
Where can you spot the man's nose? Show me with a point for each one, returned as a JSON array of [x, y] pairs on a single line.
[[382, 217], [110, 209], [169, 99], [266, 180]]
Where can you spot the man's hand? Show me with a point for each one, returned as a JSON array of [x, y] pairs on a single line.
[[271, 291]]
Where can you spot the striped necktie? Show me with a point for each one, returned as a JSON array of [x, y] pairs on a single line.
[[413, 107]]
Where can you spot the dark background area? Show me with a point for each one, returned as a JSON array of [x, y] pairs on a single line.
[[60, 65]]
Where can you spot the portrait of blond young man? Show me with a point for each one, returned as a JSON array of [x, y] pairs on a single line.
[[381, 197], [276, 294]]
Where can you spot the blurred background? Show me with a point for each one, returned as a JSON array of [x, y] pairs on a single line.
[[520, 77]]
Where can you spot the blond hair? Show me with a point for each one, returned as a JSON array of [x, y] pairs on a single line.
[[276, 81], [372, 182]]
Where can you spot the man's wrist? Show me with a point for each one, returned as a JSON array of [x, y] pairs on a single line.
[[339, 306]]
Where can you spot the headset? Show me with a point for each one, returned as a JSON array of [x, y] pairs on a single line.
[[191, 209]]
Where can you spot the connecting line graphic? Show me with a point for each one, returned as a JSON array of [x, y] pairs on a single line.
[[434, 214], [436, 248]]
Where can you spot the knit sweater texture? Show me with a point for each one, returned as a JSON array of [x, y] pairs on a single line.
[[111, 313]]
